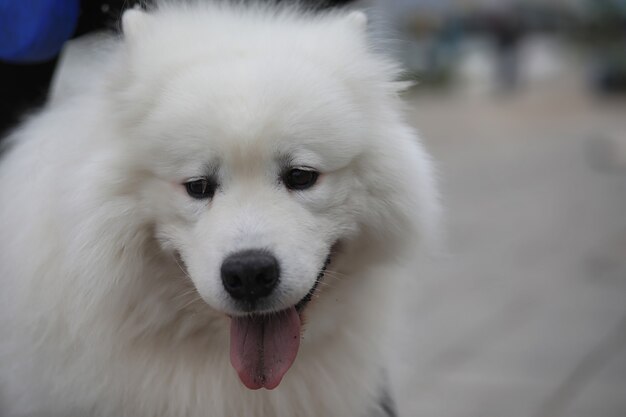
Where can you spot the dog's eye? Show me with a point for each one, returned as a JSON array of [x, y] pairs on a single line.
[[201, 189], [300, 179]]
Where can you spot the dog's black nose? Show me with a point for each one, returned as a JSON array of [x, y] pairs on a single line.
[[250, 274]]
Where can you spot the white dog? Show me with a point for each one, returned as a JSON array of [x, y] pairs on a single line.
[[228, 207]]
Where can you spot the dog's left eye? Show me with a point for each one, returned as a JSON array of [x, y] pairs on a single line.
[[300, 178], [201, 189]]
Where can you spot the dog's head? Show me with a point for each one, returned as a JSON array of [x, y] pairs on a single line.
[[266, 140]]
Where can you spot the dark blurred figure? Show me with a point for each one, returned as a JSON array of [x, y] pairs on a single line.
[[507, 32], [604, 32]]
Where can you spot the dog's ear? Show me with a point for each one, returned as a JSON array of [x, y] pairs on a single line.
[[357, 19], [133, 22]]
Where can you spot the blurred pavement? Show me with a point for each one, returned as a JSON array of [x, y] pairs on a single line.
[[525, 316]]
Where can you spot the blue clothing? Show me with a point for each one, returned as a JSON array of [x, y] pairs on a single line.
[[35, 30]]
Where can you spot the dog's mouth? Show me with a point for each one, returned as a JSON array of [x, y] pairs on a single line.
[[264, 346]]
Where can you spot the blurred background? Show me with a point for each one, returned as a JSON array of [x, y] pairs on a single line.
[[523, 105]]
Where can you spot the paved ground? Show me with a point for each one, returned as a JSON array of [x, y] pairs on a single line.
[[526, 314]]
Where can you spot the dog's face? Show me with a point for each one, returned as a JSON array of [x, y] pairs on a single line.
[[262, 165], [260, 155], [252, 153]]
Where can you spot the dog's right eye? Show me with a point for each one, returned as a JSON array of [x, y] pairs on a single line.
[[300, 178], [201, 189]]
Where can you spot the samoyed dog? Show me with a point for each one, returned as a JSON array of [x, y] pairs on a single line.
[[218, 225]]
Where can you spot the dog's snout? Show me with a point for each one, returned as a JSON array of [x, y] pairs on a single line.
[[249, 275]]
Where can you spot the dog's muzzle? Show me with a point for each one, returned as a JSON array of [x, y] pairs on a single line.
[[263, 346]]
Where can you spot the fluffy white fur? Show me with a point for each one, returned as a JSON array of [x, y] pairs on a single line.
[[110, 298]]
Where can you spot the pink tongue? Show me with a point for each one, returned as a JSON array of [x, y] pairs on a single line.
[[263, 347]]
